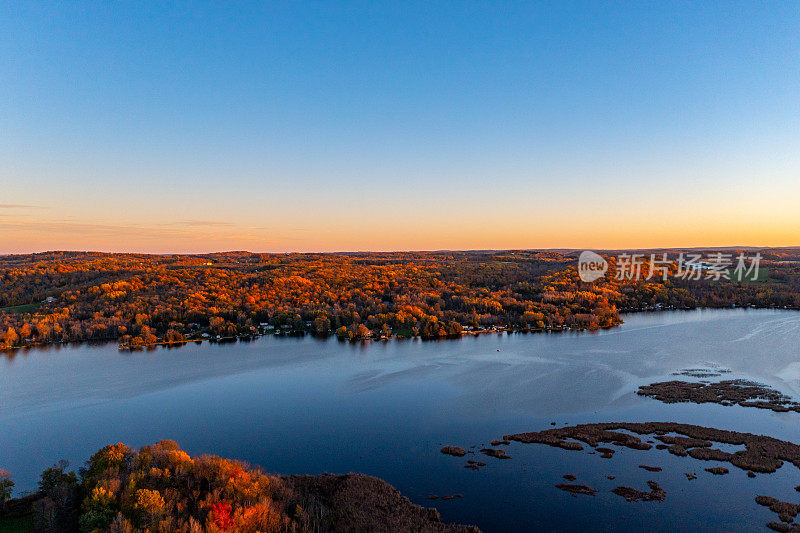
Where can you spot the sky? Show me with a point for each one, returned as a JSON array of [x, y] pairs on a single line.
[[175, 127]]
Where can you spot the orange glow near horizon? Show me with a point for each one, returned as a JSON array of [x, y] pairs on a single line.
[[599, 208], [26, 234]]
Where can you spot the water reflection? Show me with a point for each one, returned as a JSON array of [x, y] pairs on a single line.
[[305, 405]]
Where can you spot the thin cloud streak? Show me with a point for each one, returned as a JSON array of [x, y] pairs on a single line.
[[28, 236], [204, 223]]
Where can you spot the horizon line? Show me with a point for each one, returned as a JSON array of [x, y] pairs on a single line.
[[440, 250]]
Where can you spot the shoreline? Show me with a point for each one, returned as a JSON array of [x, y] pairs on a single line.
[[499, 330], [301, 503]]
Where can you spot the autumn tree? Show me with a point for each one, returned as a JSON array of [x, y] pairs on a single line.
[[6, 487]]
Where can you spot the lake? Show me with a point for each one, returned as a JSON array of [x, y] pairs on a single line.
[[307, 406]]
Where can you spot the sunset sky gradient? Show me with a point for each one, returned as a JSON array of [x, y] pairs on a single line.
[[325, 126]]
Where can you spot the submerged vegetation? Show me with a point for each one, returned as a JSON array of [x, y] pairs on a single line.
[[729, 392], [160, 488], [757, 454], [142, 300]]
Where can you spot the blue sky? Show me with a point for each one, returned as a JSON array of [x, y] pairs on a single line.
[[330, 126]]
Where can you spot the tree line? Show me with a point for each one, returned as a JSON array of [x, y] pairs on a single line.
[[142, 300]]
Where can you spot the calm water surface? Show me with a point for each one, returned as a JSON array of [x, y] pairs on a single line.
[[311, 406]]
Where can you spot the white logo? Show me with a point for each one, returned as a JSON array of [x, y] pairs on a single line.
[[591, 266]]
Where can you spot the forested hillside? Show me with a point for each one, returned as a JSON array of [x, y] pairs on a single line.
[[148, 299], [161, 489]]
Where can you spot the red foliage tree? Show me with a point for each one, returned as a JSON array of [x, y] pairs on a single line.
[[222, 515]]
